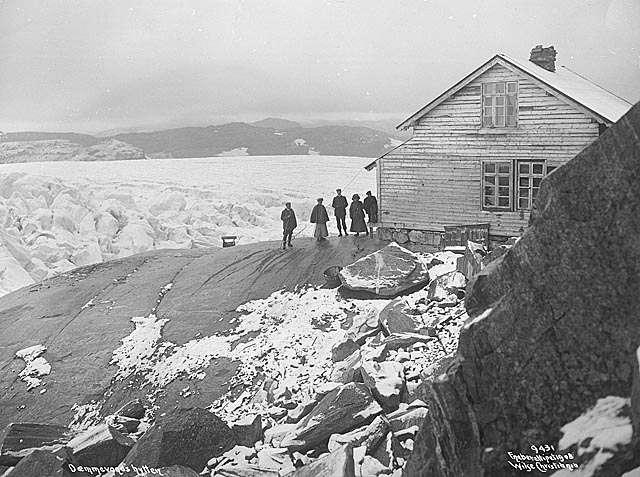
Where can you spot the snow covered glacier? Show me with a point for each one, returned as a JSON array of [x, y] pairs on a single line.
[[56, 216]]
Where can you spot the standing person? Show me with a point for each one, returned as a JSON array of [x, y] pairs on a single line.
[[356, 212], [320, 217], [371, 208], [339, 205], [289, 222]]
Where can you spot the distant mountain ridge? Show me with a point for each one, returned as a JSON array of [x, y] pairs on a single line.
[[270, 136]]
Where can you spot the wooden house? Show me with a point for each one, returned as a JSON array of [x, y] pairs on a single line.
[[479, 150]]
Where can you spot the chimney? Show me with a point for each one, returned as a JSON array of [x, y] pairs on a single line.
[[544, 57]]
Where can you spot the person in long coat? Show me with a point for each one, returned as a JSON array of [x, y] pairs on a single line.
[[371, 208], [339, 205], [320, 217], [289, 223], [356, 212]]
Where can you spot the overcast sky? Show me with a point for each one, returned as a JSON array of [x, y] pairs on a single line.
[[94, 65]]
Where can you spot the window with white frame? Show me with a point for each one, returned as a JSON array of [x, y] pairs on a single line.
[[500, 104], [512, 184], [530, 174], [496, 185]]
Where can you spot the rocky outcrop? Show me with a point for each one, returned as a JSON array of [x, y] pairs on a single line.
[[553, 322]]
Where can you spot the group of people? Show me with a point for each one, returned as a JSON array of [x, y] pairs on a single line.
[[320, 217]]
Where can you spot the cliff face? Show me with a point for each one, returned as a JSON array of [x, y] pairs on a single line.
[[553, 324]]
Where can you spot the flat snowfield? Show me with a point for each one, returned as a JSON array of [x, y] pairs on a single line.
[[60, 215]]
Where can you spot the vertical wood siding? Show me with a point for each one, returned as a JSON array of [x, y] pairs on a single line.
[[435, 178]]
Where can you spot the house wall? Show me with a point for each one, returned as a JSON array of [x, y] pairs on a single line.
[[434, 179]]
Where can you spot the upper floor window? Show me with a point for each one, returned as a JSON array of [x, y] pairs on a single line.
[[500, 104]]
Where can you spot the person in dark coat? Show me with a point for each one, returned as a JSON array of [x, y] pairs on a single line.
[[356, 212], [289, 223], [320, 217], [339, 205], [371, 208]]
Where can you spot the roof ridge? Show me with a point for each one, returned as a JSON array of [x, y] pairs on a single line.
[[596, 84]]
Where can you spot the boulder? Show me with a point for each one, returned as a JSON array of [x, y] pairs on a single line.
[[385, 380], [395, 318], [343, 349], [365, 325], [347, 371], [552, 323], [387, 273], [400, 236], [248, 430], [17, 440], [100, 446], [278, 459], [134, 409], [371, 467], [45, 463], [302, 409], [338, 463], [442, 287], [407, 417], [341, 410], [187, 436], [368, 436]]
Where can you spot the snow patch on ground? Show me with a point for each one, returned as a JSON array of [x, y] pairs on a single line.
[[296, 333], [600, 431], [36, 365], [300, 142]]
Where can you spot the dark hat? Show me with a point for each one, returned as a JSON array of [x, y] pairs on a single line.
[[355, 197], [319, 199], [368, 192]]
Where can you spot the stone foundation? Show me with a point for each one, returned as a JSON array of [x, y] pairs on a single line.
[[407, 236], [428, 239]]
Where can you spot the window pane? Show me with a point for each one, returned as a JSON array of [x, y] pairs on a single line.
[[499, 100], [503, 191], [503, 201], [524, 168], [536, 181], [503, 181], [524, 192], [511, 118], [488, 101], [523, 203], [489, 167], [511, 100], [537, 168], [534, 192], [524, 182], [504, 168], [488, 200], [490, 180], [489, 88], [499, 88], [499, 120], [512, 87], [487, 121], [489, 190]]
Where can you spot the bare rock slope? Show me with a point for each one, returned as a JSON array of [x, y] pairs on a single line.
[[80, 317]]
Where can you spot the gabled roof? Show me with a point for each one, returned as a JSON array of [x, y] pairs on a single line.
[[574, 88]]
